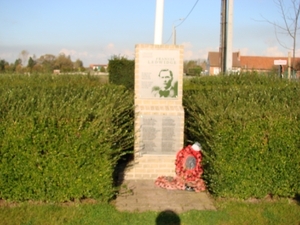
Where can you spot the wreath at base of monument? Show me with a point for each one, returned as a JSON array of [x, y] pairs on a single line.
[[188, 172]]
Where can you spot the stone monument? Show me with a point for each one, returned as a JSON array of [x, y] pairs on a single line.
[[159, 115]]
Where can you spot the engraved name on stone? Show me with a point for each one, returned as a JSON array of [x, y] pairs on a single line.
[[168, 134], [149, 135], [159, 134], [146, 81]]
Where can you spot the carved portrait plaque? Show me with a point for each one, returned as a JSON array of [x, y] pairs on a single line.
[[158, 72]]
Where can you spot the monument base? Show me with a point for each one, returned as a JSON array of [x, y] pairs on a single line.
[[159, 136], [150, 167]]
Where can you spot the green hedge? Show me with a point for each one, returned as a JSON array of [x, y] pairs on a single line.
[[61, 137], [121, 71], [249, 127]]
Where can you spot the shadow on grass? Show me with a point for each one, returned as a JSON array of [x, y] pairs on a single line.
[[297, 198], [167, 217]]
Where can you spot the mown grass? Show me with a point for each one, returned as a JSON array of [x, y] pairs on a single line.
[[228, 212]]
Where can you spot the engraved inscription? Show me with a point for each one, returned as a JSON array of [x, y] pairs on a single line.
[[167, 146], [146, 76], [168, 134], [160, 134], [149, 121], [149, 146], [168, 122], [149, 133]]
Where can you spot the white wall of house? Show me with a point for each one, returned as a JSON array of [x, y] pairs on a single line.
[[216, 71]]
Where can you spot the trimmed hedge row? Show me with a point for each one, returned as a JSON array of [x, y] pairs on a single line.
[[61, 137], [249, 126], [121, 71]]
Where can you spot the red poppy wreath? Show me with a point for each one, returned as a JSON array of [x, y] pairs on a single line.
[[188, 171]]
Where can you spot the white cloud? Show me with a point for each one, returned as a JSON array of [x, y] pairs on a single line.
[[103, 55], [110, 46], [74, 54], [273, 51], [108, 51], [129, 54], [192, 53], [187, 52], [88, 57], [204, 52], [8, 56], [244, 51], [187, 45], [270, 42], [67, 52], [247, 52]]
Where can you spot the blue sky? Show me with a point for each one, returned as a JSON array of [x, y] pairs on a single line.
[[95, 30]]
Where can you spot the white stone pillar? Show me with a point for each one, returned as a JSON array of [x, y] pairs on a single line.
[[159, 19], [229, 37]]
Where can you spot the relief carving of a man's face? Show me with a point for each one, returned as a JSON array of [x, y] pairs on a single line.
[[166, 78]]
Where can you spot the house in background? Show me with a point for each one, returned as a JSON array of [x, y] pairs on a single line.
[[244, 63], [260, 63], [98, 67], [214, 63], [265, 64]]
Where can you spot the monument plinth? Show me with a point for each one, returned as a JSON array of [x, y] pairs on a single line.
[[159, 115]]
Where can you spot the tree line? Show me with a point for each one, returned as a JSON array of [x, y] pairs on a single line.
[[44, 64]]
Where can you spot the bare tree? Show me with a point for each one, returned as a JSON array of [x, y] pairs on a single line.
[[289, 27]]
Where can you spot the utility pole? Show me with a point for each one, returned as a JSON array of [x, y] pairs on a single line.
[[174, 35], [174, 30], [223, 42], [229, 36], [289, 65], [226, 35]]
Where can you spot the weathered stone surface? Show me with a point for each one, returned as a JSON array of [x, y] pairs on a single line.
[[146, 196]]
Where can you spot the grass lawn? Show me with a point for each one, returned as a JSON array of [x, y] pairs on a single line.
[[281, 212]]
